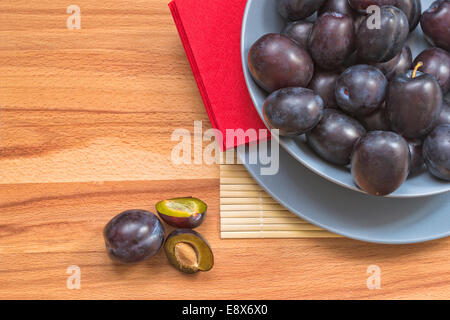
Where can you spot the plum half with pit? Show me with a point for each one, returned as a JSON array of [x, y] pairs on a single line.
[[437, 63], [334, 137], [435, 24], [323, 83], [414, 103], [332, 40], [293, 111], [133, 236], [361, 89], [380, 162], [299, 31], [382, 44], [182, 212], [188, 251], [400, 64], [298, 9], [275, 61], [436, 151]]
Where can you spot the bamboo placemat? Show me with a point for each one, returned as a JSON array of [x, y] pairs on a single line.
[[247, 211]]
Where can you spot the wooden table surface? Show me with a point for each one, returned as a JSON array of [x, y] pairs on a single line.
[[86, 123]]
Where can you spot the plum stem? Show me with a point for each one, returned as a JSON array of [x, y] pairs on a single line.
[[419, 64]]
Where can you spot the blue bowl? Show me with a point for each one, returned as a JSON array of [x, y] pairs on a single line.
[[261, 17]]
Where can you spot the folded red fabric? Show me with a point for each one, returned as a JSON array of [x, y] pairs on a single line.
[[210, 31]]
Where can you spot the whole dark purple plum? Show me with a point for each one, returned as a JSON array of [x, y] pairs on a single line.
[[380, 162], [362, 5], [361, 89], [415, 149], [444, 117], [294, 111], [133, 236], [298, 9], [436, 152], [437, 63], [376, 121], [435, 24], [276, 62], [340, 6], [412, 10], [332, 40], [384, 43], [414, 103], [334, 137], [299, 31], [400, 64], [323, 83]]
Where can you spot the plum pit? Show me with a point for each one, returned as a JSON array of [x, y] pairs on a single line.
[[186, 255]]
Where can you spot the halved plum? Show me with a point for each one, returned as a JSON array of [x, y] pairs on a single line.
[[188, 251], [182, 212]]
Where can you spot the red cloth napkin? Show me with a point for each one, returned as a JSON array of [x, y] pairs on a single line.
[[211, 33]]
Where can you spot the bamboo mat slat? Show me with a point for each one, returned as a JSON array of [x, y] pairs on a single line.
[[248, 212]]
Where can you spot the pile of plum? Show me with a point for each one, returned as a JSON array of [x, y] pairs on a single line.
[[348, 81]]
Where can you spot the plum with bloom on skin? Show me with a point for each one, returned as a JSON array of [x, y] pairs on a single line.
[[435, 24], [380, 162], [361, 89], [414, 103], [275, 61], [293, 111], [334, 137], [436, 62], [332, 40], [133, 235], [384, 43]]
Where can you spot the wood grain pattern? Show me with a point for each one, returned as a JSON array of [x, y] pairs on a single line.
[[96, 104], [86, 118]]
